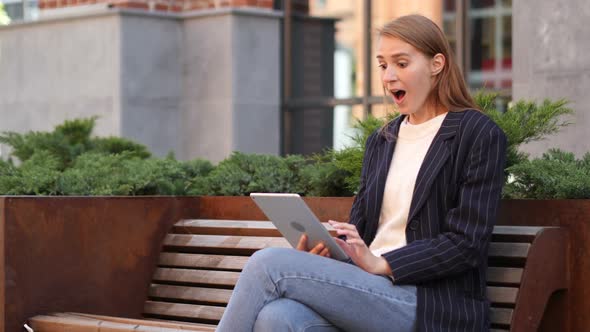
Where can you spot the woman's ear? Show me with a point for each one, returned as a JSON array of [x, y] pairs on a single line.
[[437, 64]]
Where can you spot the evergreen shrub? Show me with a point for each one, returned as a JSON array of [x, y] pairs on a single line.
[[70, 161], [556, 175]]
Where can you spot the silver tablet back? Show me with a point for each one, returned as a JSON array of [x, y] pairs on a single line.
[[293, 217]]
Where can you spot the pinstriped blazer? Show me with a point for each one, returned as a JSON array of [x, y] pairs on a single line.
[[451, 218]]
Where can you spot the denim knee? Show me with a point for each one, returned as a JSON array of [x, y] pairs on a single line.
[[267, 257], [286, 315], [272, 318]]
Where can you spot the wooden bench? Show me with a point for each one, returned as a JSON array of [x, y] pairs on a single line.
[[201, 261]]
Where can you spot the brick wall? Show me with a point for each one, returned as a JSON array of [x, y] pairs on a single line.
[[300, 6]]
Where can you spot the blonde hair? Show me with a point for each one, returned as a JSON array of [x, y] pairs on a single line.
[[449, 89]]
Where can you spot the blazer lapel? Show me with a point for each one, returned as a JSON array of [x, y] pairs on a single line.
[[435, 158], [383, 155]]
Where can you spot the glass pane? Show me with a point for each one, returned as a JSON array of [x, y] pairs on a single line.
[[489, 57], [474, 84], [14, 10], [507, 42], [348, 41], [449, 5], [344, 115], [476, 4], [450, 30], [483, 34], [31, 10]]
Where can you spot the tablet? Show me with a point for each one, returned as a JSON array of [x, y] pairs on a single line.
[[292, 217]]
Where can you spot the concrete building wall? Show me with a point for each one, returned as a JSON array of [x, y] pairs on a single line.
[[256, 92], [200, 85], [151, 82], [57, 70], [208, 112], [550, 55], [231, 83]]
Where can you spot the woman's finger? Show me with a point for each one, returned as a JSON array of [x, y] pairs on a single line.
[[317, 249], [345, 226], [345, 246], [356, 242], [348, 233], [325, 252], [302, 244], [352, 232]]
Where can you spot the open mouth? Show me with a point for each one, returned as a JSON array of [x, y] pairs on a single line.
[[398, 95]]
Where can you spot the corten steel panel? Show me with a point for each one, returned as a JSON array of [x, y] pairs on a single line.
[[84, 254], [2, 269], [565, 312], [97, 254], [243, 208]]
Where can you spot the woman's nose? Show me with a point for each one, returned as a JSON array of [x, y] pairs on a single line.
[[389, 75]]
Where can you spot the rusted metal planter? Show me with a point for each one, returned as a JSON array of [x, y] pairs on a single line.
[[565, 312], [243, 208], [84, 254], [97, 254]]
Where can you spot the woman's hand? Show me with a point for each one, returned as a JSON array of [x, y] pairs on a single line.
[[355, 247], [319, 249]]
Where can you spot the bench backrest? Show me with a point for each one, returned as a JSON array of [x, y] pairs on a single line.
[[201, 261]]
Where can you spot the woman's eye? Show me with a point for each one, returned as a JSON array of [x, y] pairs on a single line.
[[402, 64], [382, 66]]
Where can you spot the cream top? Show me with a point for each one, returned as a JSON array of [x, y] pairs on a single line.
[[410, 149]]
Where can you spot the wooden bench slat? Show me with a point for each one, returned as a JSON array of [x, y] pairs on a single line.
[[183, 311], [141, 322], [203, 277], [266, 228], [518, 230], [80, 324], [231, 244], [203, 261], [504, 275], [184, 293], [503, 295], [501, 316], [509, 250], [46, 323], [497, 249], [209, 327], [231, 227], [226, 227], [195, 242]]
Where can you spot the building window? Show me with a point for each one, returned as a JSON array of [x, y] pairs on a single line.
[[21, 10], [488, 41], [490, 44]]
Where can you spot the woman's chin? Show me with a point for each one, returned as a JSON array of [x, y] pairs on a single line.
[[404, 110]]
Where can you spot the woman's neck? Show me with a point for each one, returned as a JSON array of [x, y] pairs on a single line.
[[427, 113]]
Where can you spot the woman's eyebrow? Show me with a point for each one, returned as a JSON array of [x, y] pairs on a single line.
[[394, 55]]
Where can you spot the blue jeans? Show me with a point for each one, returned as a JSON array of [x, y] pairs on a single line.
[[288, 290]]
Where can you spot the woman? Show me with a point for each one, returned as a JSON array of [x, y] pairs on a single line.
[[420, 225]]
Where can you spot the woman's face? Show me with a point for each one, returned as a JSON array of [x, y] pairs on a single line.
[[407, 75]]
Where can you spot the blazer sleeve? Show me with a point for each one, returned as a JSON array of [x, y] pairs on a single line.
[[467, 227]]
